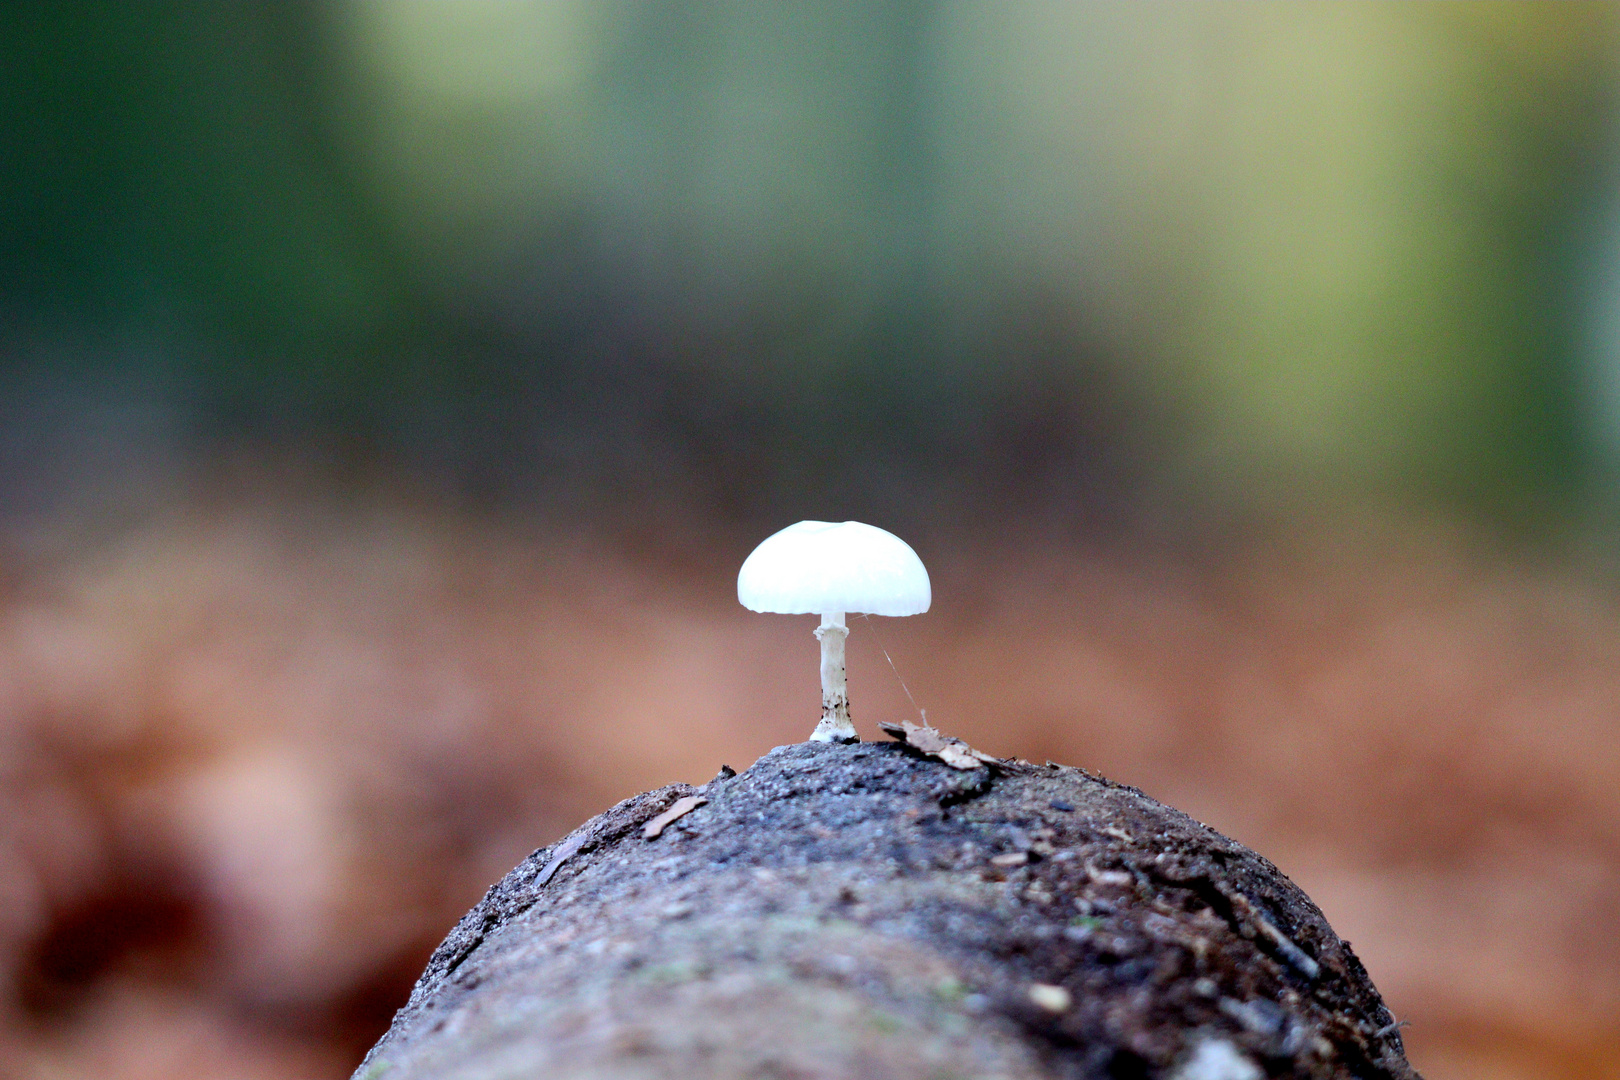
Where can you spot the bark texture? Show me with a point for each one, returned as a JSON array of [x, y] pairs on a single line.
[[867, 911]]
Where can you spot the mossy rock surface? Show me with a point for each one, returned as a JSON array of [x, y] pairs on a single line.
[[866, 911]]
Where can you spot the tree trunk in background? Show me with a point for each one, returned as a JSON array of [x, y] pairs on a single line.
[[868, 911]]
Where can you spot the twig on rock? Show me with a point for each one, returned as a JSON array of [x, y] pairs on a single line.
[[683, 806], [568, 849]]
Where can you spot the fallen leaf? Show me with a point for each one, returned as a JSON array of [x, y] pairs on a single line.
[[952, 751], [682, 806]]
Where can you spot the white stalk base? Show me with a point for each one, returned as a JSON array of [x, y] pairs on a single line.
[[835, 725]]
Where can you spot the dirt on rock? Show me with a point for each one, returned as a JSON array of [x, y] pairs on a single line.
[[867, 911]]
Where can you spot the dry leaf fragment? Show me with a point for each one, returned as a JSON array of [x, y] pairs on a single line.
[[926, 739], [953, 752], [682, 806], [566, 850], [959, 756]]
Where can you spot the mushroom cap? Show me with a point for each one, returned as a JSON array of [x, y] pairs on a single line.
[[820, 567]]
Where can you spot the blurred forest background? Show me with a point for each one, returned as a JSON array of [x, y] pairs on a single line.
[[389, 392]]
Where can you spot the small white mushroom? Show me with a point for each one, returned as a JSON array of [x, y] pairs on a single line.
[[827, 569]]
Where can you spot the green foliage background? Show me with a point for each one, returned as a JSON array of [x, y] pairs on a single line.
[[1066, 262]]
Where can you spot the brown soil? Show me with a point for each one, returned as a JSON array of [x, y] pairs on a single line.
[[865, 911]]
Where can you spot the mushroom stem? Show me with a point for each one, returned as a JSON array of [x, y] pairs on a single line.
[[835, 725]]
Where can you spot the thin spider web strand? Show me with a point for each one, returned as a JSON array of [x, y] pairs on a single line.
[[875, 637]]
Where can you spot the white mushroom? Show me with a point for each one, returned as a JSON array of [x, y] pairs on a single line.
[[827, 569]]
